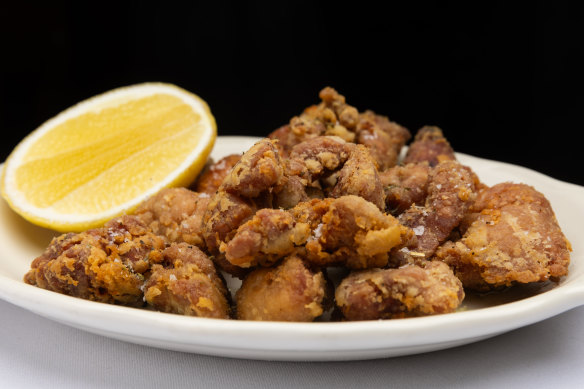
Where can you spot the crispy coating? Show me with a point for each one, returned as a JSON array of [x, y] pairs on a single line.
[[259, 170], [359, 177], [176, 214], [429, 145], [338, 168], [214, 174], [247, 188], [187, 283], [334, 117], [331, 117], [349, 231], [409, 291], [292, 191], [451, 191], [290, 291], [405, 186], [107, 264], [270, 235], [285, 138], [382, 137], [328, 164], [513, 237], [319, 156], [225, 213], [342, 113], [346, 231]]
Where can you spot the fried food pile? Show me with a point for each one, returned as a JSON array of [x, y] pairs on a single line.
[[326, 193]]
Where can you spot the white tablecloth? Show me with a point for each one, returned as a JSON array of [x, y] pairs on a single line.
[[37, 352]]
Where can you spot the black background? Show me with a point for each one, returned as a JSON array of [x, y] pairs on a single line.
[[503, 81]]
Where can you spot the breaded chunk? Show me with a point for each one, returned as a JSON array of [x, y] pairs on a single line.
[[214, 174], [270, 235], [338, 168], [176, 214], [331, 117], [187, 283], [405, 186], [359, 177], [290, 291], [409, 291], [349, 231], [383, 138], [258, 170], [451, 191], [106, 264], [247, 188], [431, 146], [513, 237]]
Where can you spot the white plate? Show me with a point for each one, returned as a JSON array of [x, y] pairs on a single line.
[[481, 318]]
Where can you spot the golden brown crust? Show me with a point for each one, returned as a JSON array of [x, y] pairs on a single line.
[[176, 214], [247, 188], [331, 117], [431, 146], [334, 117], [397, 293], [289, 291], [359, 177], [405, 186], [451, 191], [383, 138], [187, 284], [270, 235], [338, 168], [513, 237], [349, 231], [106, 264], [259, 170], [214, 174], [225, 212]]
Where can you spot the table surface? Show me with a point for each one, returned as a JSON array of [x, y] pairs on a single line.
[[37, 352]]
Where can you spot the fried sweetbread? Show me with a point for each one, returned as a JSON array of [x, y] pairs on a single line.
[[409, 291], [289, 291], [176, 214], [187, 283], [512, 237], [107, 264]]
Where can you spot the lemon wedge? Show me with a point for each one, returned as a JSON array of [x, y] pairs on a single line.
[[105, 155]]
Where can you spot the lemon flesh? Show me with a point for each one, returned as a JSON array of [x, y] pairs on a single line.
[[104, 156]]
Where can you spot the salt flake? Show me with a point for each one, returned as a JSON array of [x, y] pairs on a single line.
[[419, 230]]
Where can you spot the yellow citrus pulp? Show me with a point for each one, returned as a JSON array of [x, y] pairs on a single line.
[[105, 155]]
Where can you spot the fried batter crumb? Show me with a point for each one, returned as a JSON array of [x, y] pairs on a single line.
[[176, 214], [513, 237], [187, 283], [289, 291], [107, 264], [409, 291], [214, 174]]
